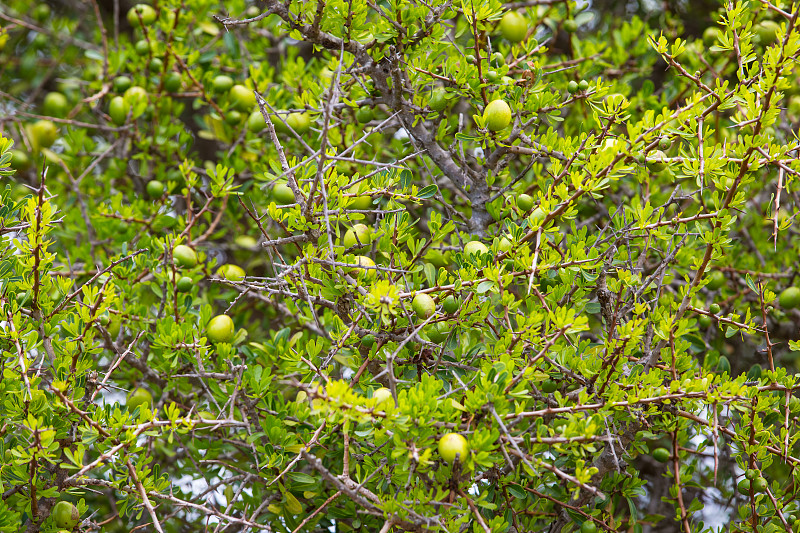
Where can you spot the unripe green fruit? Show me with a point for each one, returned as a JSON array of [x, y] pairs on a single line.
[[242, 98], [450, 305], [382, 395], [362, 202], [767, 31], [121, 84], [43, 133], [231, 272], [155, 189], [220, 329], [147, 14], [504, 245], [572, 87], [423, 305], [172, 82], [65, 515], [760, 484], [470, 59], [41, 12], [714, 308], [299, 122], [583, 85], [283, 194], [184, 284], [513, 27], [751, 474], [657, 161], [134, 95], [366, 273], [492, 76], [184, 256], [744, 487], [661, 455], [155, 65], [588, 527], [139, 397], [233, 117], [438, 100], [368, 341], [716, 280], [549, 386], [364, 115], [55, 105], [789, 298], [256, 122], [475, 248], [452, 445], [358, 236], [570, 26], [434, 334], [498, 59], [497, 115], [222, 84], [142, 47], [118, 110], [704, 321], [665, 143], [524, 202]]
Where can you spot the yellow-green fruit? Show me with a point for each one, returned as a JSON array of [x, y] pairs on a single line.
[[231, 272], [504, 245], [657, 161], [184, 284], [367, 273], [41, 12], [382, 395], [147, 14], [134, 95], [475, 248], [361, 202], [497, 115], [661, 455], [767, 31], [139, 397], [256, 122], [155, 189], [114, 325], [44, 133], [358, 236], [513, 27], [299, 122], [65, 515], [118, 110], [184, 256], [220, 329], [525, 202], [570, 26], [221, 84], [438, 101], [242, 98], [452, 445], [364, 115], [55, 105], [283, 194], [20, 160], [423, 305], [172, 82], [437, 257], [716, 280], [790, 298], [450, 305]]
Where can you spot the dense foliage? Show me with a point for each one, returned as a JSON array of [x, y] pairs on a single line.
[[396, 265]]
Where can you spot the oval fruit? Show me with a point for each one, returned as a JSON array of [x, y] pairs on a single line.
[[147, 14], [256, 122], [434, 334], [525, 202], [222, 84], [65, 515], [358, 236], [657, 161], [751, 474], [714, 308], [231, 272], [155, 189], [283, 194], [184, 256], [513, 27], [155, 65], [44, 133], [55, 104], [233, 117], [118, 110], [549, 386], [661, 455], [704, 321], [423, 305], [139, 397], [572, 87], [299, 122], [368, 341], [497, 115], [121, 84], [767, 31], [382, 395], [716, 280], [134, 95], [184, 284], [744, 487], [475, 248], [588, 527], [361, 203], [220, 329], [364, 115], [172, 83], [453, 445], [368, 273], [450, 305], [20, 160], [570, 26], [790, 298], [242, 98], [583, 85], [760, 484], [438, 100]]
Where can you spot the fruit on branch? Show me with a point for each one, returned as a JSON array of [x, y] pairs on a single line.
[[438, 99], [382, 395], [714, 308], [366, 273], [184, 256], [716, 280], [549, 386], [570, 26], [184, 284], [572, 87], [583, 85], [233, 117], [222, 84], [20, 160], [423, 305], [172, 82], [744, 487], [476, 248], [134, 95], [139, 397], [65, 515], [497, 115], [661, 455], [256, 122], [155, 189], [242, 98], [450, 304], [368, 341], [43, 134], [657, 162], [789, 298], [767, 31], [760, 484], [513, 27], [453, 445], [358, 236], [299, 122], [588, 527], [231, 272], [55, 104], [283, 194], [363, 115], [143, 11], [524, 202], [220, 329], [118, 110]]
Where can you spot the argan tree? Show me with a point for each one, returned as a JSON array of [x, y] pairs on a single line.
[[397, 265]]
